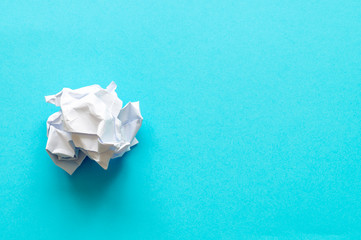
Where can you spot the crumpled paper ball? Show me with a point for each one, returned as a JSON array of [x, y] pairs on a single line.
[[91, 122]]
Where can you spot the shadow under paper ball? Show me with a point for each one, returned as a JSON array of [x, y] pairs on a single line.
[[90, 181], [91, 187]]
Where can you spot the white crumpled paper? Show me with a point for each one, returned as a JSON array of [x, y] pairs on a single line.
[[91, 123]]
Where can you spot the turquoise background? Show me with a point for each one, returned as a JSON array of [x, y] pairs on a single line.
[[252, 119]]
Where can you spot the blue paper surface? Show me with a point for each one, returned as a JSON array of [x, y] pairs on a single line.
[[252, 119]]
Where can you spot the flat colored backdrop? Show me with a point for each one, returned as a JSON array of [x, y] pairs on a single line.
[[252, 119]]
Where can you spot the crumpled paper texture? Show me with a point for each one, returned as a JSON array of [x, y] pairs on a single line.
[[91, 122]]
